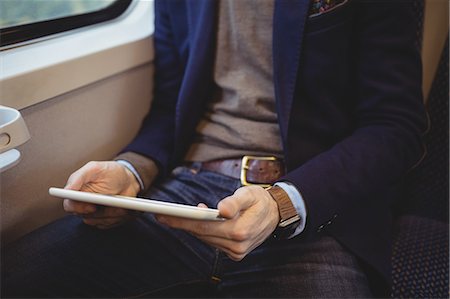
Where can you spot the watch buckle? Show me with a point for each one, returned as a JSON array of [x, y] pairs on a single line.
[[289, 221]]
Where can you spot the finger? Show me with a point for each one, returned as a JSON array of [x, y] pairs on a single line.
[[104, 227], [197, 227], [235, 250], [202, 205], [222, 244], [104, 222], [242, 199], [109, 212], [77, 207], [235, 229]]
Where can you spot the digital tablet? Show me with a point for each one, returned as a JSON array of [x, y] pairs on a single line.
[[139, 204]]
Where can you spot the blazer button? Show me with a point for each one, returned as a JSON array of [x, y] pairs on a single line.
[[320, 228]]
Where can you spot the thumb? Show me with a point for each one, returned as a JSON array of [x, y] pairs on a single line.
[[241, 200], [75, 182], [82, 176]]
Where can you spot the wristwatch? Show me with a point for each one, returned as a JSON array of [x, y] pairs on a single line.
[[289, 218]]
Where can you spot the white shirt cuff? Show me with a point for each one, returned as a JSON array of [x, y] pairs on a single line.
[[133, 171], [298, 202]]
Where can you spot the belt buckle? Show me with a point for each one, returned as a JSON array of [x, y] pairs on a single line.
[[245, 167]]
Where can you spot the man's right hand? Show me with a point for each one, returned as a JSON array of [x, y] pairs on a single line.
[[108, 177]]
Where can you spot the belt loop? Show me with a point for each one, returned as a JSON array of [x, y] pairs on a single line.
[[195, 167]]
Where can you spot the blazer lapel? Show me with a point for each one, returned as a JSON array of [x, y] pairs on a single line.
[[202, 28], [288, 28]]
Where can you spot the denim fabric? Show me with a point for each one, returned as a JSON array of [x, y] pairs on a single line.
[[144, 258]]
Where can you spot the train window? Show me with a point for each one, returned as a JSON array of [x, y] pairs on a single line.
[[75, 58], [23, 20]]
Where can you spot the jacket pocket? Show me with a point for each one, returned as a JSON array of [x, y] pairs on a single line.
[[314, 14], [338, 14]]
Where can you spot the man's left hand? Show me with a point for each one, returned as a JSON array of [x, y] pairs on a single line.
[[251, 213]]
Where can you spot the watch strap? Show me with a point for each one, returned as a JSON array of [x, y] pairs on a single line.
[[288, 213]]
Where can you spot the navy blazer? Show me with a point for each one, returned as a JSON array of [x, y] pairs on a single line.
[[349, 103]]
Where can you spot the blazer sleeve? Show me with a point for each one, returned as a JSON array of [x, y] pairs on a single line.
[[390, 120], [155, 138]]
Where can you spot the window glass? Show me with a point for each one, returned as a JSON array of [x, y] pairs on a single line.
[[19, 12]]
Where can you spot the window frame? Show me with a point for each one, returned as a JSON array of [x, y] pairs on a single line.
[[26, 32]]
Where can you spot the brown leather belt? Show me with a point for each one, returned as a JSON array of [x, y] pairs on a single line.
[[251, 170]]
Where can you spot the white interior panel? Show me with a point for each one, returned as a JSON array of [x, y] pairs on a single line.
[[90, 123]]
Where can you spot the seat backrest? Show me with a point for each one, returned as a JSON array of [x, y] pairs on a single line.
[[421, 241]]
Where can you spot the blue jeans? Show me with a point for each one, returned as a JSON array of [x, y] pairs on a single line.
[[146, 259]]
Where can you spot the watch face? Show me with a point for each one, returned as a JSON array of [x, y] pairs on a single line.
[[284, 232]]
